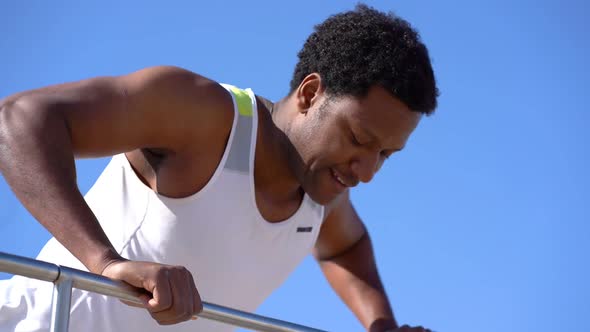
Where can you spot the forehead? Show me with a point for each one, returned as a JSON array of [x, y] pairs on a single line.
[[381, 114]]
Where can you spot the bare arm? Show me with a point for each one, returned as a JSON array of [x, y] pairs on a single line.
[[346, 258], [42, 131]]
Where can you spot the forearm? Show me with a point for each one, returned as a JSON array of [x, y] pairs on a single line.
[[353, 275], [37, 161]]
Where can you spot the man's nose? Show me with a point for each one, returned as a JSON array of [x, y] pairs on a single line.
[[365, 166]]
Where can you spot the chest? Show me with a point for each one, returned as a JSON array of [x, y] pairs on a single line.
[[181, 176], [222, 238]]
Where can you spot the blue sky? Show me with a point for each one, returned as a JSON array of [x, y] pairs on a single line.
[[481, 224]]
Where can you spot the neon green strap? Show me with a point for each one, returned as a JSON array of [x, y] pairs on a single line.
[[243, 100]]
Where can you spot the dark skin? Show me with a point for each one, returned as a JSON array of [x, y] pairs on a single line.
[[155, 116]]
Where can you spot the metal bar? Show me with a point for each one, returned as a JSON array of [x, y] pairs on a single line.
[[62, 298], [251, 321], [28, 267], [32, 268]]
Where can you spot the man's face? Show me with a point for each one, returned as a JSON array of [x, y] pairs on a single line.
[[345, 140]]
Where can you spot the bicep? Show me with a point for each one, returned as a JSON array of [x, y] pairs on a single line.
[[162, 107], [341, 230]]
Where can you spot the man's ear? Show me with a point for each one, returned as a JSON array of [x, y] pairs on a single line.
[[309, 92]]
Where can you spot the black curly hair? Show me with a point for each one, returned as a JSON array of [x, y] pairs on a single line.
[[354, 50]]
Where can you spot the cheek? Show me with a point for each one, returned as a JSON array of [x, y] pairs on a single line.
[[310, 139], [321, 144], [306, 142], [329, 151]]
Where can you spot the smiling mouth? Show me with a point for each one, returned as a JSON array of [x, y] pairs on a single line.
[[338, 178]]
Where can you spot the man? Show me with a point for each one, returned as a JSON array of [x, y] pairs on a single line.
[[214, 191]]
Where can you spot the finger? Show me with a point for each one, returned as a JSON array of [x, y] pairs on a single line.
[[182, 295], [162, 319], [143, 297], [161, 293], [197, 302], [182, 302], [133, 304]]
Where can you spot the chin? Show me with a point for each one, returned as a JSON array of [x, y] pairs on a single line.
[[320, 197], [320, 188]]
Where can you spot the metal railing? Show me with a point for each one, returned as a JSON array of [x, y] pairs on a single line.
[[65, 278]]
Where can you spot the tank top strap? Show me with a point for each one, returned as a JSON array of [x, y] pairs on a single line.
[[241, 153]]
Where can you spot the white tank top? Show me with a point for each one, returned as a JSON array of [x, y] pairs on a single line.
[[237, 258]]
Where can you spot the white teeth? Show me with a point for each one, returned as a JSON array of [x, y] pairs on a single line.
[[338, 178]]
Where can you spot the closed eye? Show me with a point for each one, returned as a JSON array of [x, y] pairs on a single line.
[[354, 139]]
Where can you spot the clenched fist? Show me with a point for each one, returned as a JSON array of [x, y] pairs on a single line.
[[174, 296]]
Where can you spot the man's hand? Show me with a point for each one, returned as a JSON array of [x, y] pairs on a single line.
[[174, 296]]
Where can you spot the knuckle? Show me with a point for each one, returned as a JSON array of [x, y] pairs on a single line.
[[162, 275], [183, 271], [159, 319], [182, 315], [168, 320]]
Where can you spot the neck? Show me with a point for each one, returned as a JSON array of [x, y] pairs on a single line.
[[278, 159]]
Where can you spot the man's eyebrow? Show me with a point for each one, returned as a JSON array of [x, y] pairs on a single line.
[[376, 139], [372, 136]]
